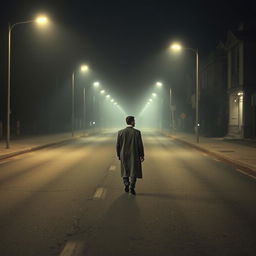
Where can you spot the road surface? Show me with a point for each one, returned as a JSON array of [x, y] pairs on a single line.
[[69, 200]]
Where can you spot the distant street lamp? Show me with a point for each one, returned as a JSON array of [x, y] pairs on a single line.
[[41, 20], [96, 84], [83, 68], [178, 47], [159, 84]]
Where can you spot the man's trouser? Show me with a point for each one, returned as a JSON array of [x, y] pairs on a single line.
[[130, 182]]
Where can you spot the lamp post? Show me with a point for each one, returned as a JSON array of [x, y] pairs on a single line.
[[40, 20], [83, 68], [178, 47], [159, 85]]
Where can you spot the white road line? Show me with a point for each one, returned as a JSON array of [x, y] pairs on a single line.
[[112, 168], [215, 159], [100, 193], [73, 248], [239, 170], [5, 161]]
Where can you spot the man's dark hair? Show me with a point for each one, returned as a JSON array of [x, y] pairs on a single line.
[[129, 119]]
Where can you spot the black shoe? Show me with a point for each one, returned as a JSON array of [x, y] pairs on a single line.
[[126, 188], [132, 191]]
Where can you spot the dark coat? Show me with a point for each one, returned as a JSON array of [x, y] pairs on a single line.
[[129, 150]]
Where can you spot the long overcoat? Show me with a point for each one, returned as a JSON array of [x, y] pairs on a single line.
[[129, 150]]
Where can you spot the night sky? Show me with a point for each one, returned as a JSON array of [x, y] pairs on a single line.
[[124, 42]]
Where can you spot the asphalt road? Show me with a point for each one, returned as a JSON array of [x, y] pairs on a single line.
[[69, 200]]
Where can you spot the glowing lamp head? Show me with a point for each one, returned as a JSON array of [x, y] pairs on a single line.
[[84, 68], [102, 91], [96, 84], [150, 100], [159, 84], [154, 94], [108, 96], [176, 47], [42, 20], [112, 100]]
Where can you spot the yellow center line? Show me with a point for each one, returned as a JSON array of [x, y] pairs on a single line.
[[73, 248]]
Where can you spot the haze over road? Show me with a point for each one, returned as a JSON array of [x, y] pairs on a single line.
[[70, 198]]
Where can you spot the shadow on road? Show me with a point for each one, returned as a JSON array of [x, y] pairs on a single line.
[[119, 230]]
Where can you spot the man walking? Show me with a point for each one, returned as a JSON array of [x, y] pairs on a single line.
[[130, 152]]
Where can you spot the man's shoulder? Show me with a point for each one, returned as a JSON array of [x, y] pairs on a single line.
[[121, 131], [129, 129], [136, 130]]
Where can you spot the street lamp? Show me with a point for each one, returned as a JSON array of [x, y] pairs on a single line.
[[40, 20], [159, 84], [84, 69], [154, 94], [178, 47], [102, 91], [96, 84]]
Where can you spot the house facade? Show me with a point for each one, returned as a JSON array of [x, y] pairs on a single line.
[[213, 97], [241, 81]]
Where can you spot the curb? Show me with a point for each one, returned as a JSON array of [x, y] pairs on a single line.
[[27, 150], [243, 167]]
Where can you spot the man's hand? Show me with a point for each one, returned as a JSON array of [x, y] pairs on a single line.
[[142, 159]]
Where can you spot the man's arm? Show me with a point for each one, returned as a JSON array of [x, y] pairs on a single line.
[[141, 148], [118, 145]]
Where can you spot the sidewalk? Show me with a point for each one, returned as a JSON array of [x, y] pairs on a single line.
[[31, 143], [243, 156]]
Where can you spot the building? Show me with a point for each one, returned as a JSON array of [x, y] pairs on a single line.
[[241, 63], [213, 93]]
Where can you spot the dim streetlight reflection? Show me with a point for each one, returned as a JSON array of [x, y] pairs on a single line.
[[150, 100], [112, 100]]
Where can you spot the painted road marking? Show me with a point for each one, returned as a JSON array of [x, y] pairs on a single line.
[[100, 193], [5, 161], [247, 174], [112, 168], [73, 248], [215, 159]]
